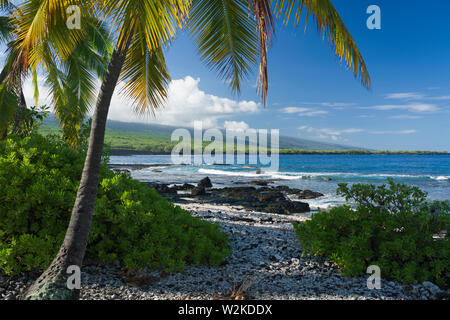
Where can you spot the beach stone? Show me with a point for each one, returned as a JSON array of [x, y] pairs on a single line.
[[262, 183], [198, 191], [163, 188], [205, 183], [308, 194], [268, 196], [433, 289]]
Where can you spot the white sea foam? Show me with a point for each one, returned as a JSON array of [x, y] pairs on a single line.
[[325, 202], [272, 175], [440, 178], [317, 175]]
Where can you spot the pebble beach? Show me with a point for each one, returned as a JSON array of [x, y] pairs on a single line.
[[266, 263]]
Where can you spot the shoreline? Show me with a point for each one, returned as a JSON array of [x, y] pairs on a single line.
[[132, 152], [266, 263]]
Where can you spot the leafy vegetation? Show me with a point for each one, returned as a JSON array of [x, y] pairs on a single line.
[[392, 226], [132, 224]]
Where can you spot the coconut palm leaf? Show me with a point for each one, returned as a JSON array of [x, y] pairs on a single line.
[[145, 76], [266, 29], [73, 81], [156, 21], [5, 29], [150, 25], [225, 35], [36, 21], [330, 24]]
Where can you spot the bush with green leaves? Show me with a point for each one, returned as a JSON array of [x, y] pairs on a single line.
[[132, 225], [393, 226]]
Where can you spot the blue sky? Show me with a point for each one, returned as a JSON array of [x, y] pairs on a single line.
[[312, 96]]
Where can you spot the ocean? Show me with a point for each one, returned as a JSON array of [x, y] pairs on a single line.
[[320, 173]]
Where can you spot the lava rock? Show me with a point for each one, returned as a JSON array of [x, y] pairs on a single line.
[[205, 183], [198, 191], [308, 194]]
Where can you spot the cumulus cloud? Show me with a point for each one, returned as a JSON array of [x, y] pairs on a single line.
[[236, 125], [186, 103], [28, 92]]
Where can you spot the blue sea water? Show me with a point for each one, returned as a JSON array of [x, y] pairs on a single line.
[[429, 172]]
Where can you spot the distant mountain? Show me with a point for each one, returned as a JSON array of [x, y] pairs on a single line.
[[285, 141], [164, 132]]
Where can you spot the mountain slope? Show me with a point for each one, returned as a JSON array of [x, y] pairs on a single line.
[[127, 135]]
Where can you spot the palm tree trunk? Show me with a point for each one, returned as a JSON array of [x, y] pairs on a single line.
[[20, 111], [3, 75], [4, 134], [52, 284]]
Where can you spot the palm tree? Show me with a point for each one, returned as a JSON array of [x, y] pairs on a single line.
[[230, 36], [72, 81]]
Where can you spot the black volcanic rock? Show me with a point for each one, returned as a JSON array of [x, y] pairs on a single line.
[[198, 191], [205, 183]]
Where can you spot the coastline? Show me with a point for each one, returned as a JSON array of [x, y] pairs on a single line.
[[266, 263], [131, 152]]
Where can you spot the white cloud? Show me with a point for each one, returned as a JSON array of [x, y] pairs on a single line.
[[405, 116], [405, 96], [327, 133], [441, 98], [28, 92], [412, 107], [186, 103], [235, 125], [336, 104], [394, 132], [304, 112], [336, 134]]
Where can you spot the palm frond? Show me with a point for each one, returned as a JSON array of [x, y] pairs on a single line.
[[156, 20], [73, 81], [266, 28], [35, 86], [145, 76], [35, 21], [5, 29], [226, 37], [330, 24]]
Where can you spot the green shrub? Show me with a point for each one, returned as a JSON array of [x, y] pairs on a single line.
[[393, 227], [132, 224]]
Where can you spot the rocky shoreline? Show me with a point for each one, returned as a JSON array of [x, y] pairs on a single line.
[[266, 260], [255, 195]]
